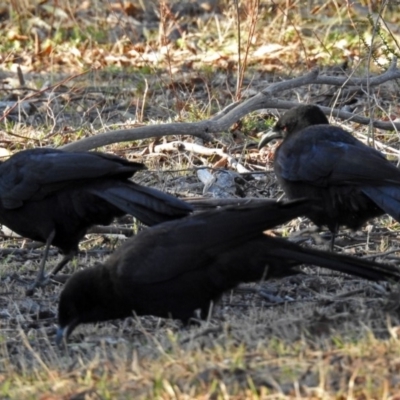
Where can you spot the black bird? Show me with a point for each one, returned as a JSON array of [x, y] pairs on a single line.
[[54, 196], [175, 268], [352, 182]]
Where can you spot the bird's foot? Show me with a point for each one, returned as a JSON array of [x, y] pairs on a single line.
[[325, 239], [45, 280], [60, 278], [41, 281], [311, 229], [320, 239]]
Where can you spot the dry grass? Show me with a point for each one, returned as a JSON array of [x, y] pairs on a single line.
[[326, 345], [332, 336]]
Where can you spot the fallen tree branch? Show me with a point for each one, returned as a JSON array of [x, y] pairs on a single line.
[[234, 112]]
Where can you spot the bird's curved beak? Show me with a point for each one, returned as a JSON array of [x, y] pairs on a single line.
[[61, 335], [270, 135], [64, 332]]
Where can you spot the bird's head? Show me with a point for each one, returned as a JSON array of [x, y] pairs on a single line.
[[294, 121], [87, 297]]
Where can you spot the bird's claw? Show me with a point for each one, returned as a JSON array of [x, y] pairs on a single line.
[[40, 281]]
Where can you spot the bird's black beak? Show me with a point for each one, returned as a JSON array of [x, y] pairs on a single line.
[[60, 336], [64, 332], [269, 136]]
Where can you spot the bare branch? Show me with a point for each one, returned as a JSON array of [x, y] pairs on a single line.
[[391, 73], [234, 112]]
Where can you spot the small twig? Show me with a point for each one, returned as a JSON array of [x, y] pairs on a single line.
[[196, 148], [111, 230], [378, 144], [201, 203], [385, 253]]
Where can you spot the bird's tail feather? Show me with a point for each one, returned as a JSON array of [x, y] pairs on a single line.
[[336, 262], [151, 206], [386, 197], [267, 257]]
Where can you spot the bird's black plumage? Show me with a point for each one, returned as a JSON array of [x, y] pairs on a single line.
[[175, 268], [54, 196], [352, 182]]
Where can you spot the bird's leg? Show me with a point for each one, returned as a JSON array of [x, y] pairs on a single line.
[[332, 245], [312, 231], [65, 260], [308, 230], [41, 278], [333, 237]]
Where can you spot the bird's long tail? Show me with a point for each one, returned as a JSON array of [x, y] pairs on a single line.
[[266, 257], [150, 206], [386, 197], [293, 253]]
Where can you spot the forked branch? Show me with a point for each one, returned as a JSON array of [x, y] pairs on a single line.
[[234, 112]]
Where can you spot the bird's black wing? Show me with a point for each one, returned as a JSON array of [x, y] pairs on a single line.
[[149, 205], [37, 172], [169, 250], [325, 155], [177, 247], [386, 197]]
